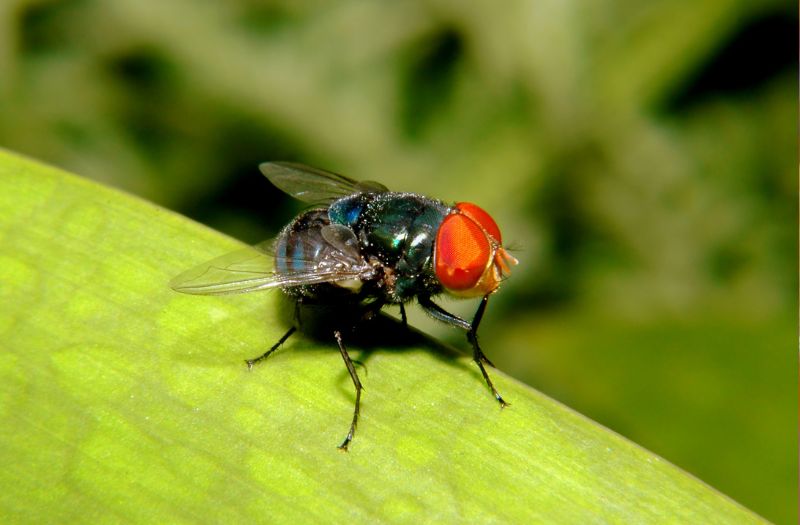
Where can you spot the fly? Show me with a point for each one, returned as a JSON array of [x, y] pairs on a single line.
[[364, 247]]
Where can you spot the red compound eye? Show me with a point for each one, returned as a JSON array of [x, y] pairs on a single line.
[[463, 250], [482, 218], [469, 258]]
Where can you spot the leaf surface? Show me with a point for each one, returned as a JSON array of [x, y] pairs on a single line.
[[123, 401]]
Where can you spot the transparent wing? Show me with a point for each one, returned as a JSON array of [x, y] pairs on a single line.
[[245, 270], [315, 185], [252, 269]]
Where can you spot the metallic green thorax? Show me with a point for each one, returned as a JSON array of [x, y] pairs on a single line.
[[399, 229]]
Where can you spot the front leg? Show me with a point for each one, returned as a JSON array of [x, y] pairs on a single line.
[[437, 312]]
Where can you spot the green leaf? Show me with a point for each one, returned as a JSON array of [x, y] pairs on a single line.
[[121, 400]]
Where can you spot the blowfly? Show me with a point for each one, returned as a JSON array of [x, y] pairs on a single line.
[[362, 246]]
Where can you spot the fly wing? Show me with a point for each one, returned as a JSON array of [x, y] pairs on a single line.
[[253, 268], [313, 184], [343, 239], [245, 270]]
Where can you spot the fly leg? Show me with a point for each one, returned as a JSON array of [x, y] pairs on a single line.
[[371, 310], [293, 329], [478, 355], [403, 316], [251, 362], [437, 312], [354, 376]]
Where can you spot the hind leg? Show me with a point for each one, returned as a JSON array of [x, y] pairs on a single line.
[[293, 329]]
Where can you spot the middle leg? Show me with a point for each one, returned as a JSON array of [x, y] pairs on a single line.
[[356, 382]]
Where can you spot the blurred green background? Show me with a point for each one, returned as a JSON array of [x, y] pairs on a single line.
[[640, 157]]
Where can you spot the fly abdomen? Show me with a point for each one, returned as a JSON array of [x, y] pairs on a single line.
[[318, 259], [300, 245]]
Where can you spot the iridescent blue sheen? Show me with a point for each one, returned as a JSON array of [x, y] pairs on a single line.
[[300, 245], [399, 229]]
